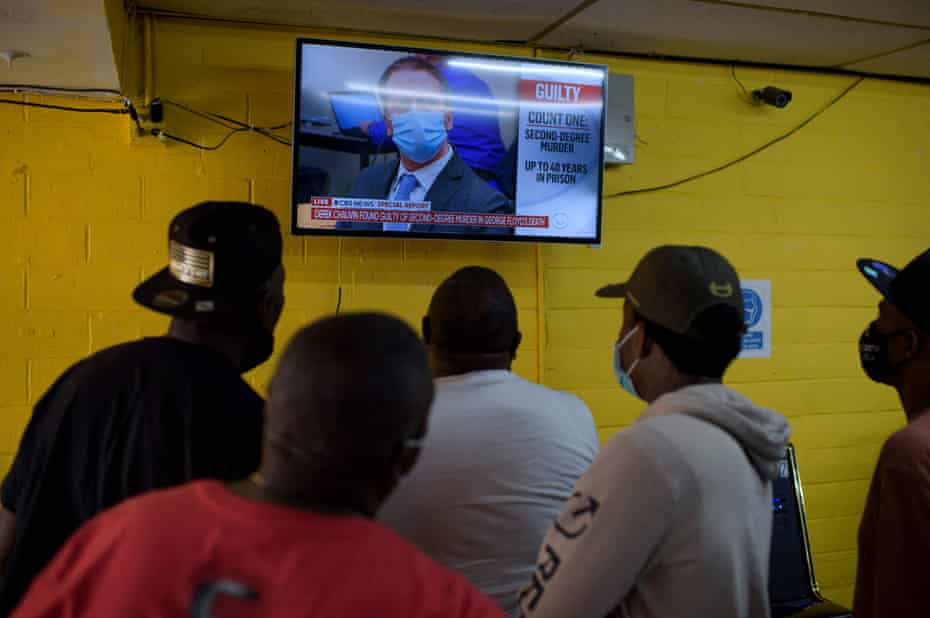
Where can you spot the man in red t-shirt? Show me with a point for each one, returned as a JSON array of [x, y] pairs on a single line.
[[893, 578], [347, 408]]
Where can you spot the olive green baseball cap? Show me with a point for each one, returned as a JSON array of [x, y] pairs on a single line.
[[672, 285]]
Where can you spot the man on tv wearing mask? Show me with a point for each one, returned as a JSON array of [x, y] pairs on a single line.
[[674, 517], [893, 578], [476, 132], [413, 96], [156, 412]]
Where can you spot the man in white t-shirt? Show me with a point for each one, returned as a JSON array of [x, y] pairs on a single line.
[[502, 454]]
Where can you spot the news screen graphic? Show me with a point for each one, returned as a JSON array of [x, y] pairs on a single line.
[[388, 211], [560, 149], [405, 142]]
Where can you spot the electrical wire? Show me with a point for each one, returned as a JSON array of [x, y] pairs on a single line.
[[100, 97], [133, 114], [200, 114], [234, 126], [217, 146], [254, 128], [62, 88], [882, 54], [746, 94], [746, 156], [64, 108], [230, 123], [97, 95], [266, 131]]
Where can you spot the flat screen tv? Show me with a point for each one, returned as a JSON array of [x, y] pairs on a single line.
[[421, 143]]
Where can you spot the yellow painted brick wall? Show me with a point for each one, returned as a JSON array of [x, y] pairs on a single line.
[[84, 210]]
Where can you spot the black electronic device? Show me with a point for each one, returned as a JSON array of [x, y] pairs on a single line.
[[793, 589]]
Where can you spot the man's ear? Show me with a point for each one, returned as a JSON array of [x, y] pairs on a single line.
[[424, 326], [517, 340], [400, 465], [642, 342], [448, 120], [913, 344], [388, 125], [269, 308], [409, 454]]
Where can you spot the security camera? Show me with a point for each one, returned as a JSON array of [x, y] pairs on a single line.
[[770, 95]]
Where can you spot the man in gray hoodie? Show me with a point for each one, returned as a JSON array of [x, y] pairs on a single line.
[[674, 517]]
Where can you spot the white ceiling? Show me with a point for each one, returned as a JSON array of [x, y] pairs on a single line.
[[481, 20], [68, 42], [812, 33], [911, 12], [701, 30]]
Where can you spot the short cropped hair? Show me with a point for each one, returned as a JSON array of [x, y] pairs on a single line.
[[717, 342], [411, 63], [473, 312], [351, 388]]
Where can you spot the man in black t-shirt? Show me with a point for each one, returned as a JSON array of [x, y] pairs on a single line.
[[156, 412]]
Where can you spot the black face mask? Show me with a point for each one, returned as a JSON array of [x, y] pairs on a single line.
[[873, 354], [258, 349]]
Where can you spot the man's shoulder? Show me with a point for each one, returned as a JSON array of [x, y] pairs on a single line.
[[655, 442], [121, 351], [158, 358], [550, 397], [639, 454], [156, 512], [445, 588], [162, 523], [909, 447], [641, 435], [477, 189], [147, 348], [374, 179], [108, 364], [378, 170], [159, 367], [516, 392], [159, 503], [397, 551]]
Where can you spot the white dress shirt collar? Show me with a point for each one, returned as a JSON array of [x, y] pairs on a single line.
[[426, 175]]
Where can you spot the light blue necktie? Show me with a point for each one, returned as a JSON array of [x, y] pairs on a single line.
[[408, 182]]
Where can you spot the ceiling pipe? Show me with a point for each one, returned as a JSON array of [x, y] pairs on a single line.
[[149, 77]]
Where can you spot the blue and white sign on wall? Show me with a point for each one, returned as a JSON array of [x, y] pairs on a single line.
[[757, 312]]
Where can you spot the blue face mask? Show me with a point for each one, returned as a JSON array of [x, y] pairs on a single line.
[[624, 377], [418, 135]]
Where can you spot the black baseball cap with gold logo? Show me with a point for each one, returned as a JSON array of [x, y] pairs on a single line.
[[220, 254], [672, 285]]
